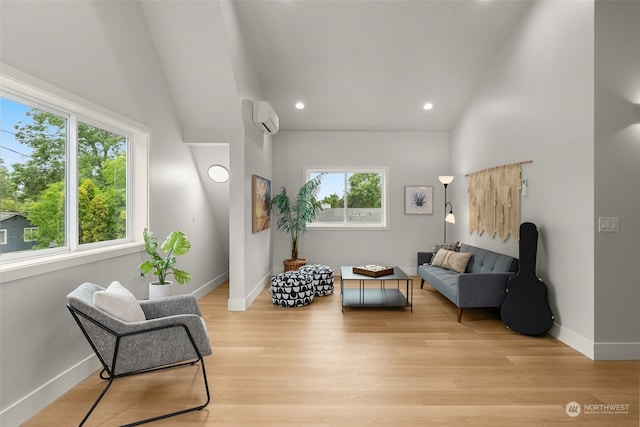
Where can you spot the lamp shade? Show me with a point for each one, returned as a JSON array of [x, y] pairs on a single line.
[[450, 218], [445, 179]]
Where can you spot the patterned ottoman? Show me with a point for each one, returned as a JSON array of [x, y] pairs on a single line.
[[291, 289], [321, 277]]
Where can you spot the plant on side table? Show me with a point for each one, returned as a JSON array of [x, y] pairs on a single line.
[[176, 243], [294, 216]]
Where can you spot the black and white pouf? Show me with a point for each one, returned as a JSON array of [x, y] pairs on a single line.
[[321, 277], [292, 289]]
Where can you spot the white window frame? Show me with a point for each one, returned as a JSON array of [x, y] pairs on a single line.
[[384, 173], [24, 233], [3, 236], [27, 89]]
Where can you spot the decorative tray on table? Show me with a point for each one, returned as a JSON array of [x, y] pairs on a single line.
[[373, 270]]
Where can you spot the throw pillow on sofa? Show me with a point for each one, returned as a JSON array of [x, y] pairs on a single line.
[[451, 260], [451, 246]]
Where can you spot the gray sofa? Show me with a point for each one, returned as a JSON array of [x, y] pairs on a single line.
[[483, 284]]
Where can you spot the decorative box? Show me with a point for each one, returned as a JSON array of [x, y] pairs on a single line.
[[373, 270]]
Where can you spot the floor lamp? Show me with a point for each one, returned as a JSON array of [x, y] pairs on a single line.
[[448, 217]]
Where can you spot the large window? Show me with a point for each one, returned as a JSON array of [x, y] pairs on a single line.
[[354, 198], [66, 174], [36, 144]]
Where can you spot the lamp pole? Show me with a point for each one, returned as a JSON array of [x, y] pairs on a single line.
[[446, 180], [445, 214]]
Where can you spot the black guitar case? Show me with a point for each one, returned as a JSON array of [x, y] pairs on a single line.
[[525, 308]]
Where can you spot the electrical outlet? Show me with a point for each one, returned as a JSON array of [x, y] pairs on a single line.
[[608, 224]]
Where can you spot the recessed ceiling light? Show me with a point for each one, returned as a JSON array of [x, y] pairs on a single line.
[[299, 105], [428, 106], [218, 173]]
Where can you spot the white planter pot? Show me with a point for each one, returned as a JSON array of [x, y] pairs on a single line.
[[156, 290]]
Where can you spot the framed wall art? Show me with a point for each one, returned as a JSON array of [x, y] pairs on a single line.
[[260, 203], [418, 200]]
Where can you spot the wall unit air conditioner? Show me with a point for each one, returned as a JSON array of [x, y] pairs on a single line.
[[265, 118]]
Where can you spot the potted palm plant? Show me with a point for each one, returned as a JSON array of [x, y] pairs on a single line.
[[176, 243], [295, 215]]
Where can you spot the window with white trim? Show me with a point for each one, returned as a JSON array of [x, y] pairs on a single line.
[[30, 234], [351, 197], [68, 169], [3, 237]]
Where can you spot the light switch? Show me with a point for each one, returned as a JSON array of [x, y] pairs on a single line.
[[608, 224]]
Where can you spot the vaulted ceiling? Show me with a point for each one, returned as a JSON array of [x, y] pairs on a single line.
[[355, 64]]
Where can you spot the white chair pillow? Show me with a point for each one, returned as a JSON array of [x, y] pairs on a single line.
[[119, 302]]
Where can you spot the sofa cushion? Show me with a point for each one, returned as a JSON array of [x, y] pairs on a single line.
[[119, 302], [443, 280], [450, 246], [451, 260], [485, 261]]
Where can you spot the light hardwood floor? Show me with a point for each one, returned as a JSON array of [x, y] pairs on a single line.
[[316, 366]]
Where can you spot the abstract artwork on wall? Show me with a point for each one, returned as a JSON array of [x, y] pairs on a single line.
[[260, 203]]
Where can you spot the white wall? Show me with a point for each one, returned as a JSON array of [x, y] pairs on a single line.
[[205, 155], [617, 178], [413, 158], [250, 254], [256, 256], [536, 103], [102, 52]]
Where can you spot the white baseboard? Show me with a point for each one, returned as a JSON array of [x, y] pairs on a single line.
[[236, 304], [596, 350], [211, 285], [617, 351], [573, 340], [241, 304], [38, 399], [411, 271]]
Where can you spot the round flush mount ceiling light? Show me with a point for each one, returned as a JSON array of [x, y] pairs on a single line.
[[218, 173], [299, 105], [428, 106]]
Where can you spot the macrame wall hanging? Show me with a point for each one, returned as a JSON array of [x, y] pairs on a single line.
[[494, 201]]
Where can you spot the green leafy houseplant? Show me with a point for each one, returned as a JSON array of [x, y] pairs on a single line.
[[295, 215], [176, 243]]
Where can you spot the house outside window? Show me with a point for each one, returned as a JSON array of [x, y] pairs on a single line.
[[351, 197], [14, 227]]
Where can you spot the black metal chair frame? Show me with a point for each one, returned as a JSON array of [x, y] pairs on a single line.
[[109, 370]]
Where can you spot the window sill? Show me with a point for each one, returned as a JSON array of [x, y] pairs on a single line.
[[367, 227], [24, 268]]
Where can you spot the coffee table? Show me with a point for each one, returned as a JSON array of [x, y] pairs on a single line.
[[378, 296]]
